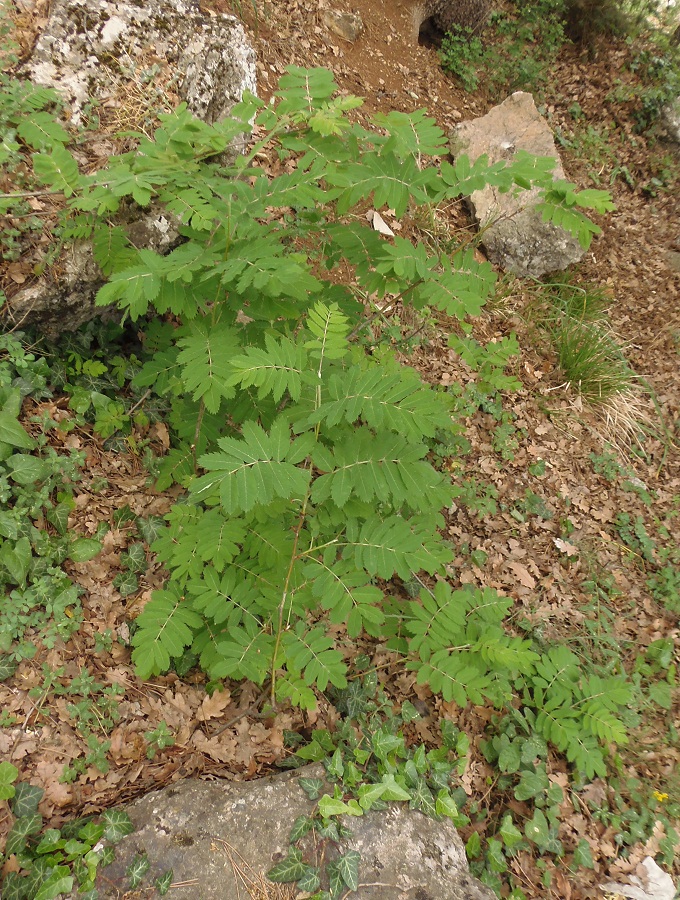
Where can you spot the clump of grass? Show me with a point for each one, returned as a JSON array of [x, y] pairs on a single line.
[[591, 360]]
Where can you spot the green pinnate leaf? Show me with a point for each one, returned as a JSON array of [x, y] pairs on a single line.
[[329, 328], [255, 469], [166, 628], [277, 369], [312, 654], [205, 360], [58, 169]]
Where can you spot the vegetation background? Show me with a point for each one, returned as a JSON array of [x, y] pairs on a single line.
[[563, 503]]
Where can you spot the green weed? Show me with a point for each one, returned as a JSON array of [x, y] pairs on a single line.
[[53, 861]]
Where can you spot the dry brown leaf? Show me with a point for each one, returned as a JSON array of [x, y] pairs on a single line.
[[213, 707], [523, 574]]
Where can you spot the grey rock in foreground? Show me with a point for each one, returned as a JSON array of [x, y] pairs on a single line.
[[518, 240], [208, 831]]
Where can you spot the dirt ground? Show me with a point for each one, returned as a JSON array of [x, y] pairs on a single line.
[[636, 261]]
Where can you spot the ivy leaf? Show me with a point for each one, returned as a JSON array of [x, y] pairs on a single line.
[[20, 831], [84, 549], [12, 433], [309, 880], [60, 881], [329, 806], [423, 799], [290, 869], [301, 826], [445, 805], [137, 869], [348, 867], [531, 784], [26, 799], [510, 834], [126, 583], [583, 856], [368, 794], [8, 775], [118, 824], [393, 790], [163, 882], [537, 830], [311, 786]]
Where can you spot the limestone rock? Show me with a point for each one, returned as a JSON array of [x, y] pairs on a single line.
[[61, 304], [102, 50], [206, 831], [670, 119], [95, 49], [346, 25], [518, 241]]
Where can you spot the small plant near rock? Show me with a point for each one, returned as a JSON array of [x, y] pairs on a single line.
[[367, 761], [42, 864], [514, 53]]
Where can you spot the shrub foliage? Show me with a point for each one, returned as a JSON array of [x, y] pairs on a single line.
[[305, 453]]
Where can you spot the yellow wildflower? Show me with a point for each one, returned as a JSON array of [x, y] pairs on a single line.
[[660, 796]]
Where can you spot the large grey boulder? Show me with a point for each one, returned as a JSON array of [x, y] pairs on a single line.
[[515, 237], [109, 51], [95, 49], [670, 119], [220, 839], [65, 303]]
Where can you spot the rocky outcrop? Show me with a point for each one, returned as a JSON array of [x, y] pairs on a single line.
[[65, 302], [98, 49], [220, 839], [110, 52], [515, 237]]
